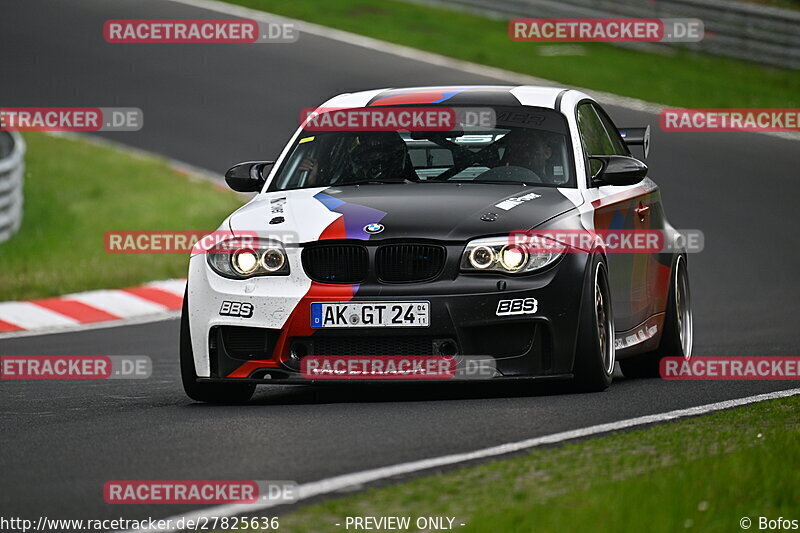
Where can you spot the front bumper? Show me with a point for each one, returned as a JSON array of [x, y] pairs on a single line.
[[265, 347]]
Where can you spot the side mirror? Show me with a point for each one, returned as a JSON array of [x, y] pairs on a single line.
[[248, 176], [618, 170]]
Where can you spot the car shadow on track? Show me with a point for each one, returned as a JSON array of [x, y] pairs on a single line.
[[402, 392]]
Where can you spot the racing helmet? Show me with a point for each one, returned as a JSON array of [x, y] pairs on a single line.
[[379, 156]]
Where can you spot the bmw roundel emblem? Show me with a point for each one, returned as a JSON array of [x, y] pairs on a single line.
[[373, 228]]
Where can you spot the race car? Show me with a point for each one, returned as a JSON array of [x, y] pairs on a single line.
[[451, 237]]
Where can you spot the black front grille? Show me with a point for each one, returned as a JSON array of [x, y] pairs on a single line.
[[336, 263], [398, 263], [365, 346]]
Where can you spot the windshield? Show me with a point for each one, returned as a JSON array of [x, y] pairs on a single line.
[[527, 145]]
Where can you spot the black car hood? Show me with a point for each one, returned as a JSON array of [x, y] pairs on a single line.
[[440, 211]]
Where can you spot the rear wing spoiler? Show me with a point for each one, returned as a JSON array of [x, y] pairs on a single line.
[[637, 137]]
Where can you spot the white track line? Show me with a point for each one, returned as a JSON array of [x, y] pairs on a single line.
[[432, 58], [355, 480]]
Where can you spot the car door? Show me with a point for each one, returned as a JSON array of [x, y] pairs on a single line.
[[649, 215], [617, 208]]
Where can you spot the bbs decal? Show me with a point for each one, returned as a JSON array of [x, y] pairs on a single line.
[[519, 306], [240, 309]]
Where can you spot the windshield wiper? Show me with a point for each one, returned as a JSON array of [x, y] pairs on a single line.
[[379, 182], [500, 182]]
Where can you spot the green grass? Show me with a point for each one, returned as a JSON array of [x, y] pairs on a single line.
[[74, 193], [683, 79], [699, 474]]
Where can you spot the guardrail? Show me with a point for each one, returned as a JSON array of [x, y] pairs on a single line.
[[748, 31], [12, 171]]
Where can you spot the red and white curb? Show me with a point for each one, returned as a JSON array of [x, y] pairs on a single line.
[[157, 300]]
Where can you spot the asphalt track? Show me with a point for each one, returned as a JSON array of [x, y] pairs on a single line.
[[213, 105]]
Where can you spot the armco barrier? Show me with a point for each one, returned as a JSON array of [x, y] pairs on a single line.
[[12, 171], [750, 31]]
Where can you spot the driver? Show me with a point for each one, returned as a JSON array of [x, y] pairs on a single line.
[[381, 156], [527, 149]]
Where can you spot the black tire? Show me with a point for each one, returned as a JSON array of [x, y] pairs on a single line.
[[676, 338], [594, 348], [219, 393]]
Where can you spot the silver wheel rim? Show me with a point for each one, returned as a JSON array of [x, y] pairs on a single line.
[[604, 320], [683, 308]]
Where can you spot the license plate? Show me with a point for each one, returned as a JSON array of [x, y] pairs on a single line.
[[370, 314]]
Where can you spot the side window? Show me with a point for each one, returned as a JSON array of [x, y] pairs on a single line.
[[619, 146], [595, 135]]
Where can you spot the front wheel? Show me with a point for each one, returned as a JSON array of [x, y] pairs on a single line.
[[677, 336], [594, 349], [220, 393]]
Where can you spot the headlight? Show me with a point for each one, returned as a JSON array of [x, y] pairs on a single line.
[[244, 261], [246, 258], [482, 257], [508, 255]]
